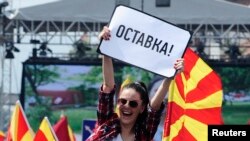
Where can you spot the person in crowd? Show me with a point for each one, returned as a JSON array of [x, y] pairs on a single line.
[[138, 117], [153, 86]]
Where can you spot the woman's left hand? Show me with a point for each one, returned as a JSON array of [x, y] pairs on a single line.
[[179, 65]]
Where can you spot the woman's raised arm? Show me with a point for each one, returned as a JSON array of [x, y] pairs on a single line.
[[161, 92], [107, 64]]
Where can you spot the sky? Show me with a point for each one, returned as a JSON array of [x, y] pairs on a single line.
[[11, 82], [28, 3]]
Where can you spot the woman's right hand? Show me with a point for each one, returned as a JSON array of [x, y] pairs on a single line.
[[105, 34]]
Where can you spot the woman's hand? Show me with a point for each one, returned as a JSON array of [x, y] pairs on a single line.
[[104, 34], [179, 65]]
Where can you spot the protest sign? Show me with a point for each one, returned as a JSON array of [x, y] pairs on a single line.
[[145, 41]]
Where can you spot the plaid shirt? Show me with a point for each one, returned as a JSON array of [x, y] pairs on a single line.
[[108, 123]]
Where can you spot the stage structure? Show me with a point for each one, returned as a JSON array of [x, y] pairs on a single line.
[[6, 55], [216, 25]]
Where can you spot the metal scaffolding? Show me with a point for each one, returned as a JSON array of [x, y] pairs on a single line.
[[216, 40]]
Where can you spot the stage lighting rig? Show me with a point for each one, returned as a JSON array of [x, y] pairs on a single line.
[[43, 49], [10, 48], [2, 5]]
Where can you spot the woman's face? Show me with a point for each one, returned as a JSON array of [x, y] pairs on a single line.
[[130, 106]]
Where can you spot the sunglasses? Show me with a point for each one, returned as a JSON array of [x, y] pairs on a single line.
[[132, 103]]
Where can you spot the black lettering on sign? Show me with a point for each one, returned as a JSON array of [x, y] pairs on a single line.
[[144, 40]]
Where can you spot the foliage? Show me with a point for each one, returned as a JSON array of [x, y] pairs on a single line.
[[234, 79], [237, 113], [42, 75], [137, 74], [36, 114], [90, 85], [93, 76], [38, 75]]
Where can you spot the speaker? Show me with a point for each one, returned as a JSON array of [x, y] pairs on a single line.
[[123, 2], [162, 3]]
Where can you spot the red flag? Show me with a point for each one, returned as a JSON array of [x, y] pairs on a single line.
[[19, 129], [2, 136], [195, 100], [45, 132], [63, 131], [71, 134]]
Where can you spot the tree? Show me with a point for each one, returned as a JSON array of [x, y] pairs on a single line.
[[234, 78], [38, 75]]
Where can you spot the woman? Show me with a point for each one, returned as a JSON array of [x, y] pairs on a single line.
[[138, 117]]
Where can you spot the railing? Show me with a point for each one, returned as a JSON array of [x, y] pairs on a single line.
[[211, 56]]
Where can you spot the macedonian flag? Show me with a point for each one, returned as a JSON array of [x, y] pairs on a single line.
[[45, 132], [2, 136], [19, 129], [194, 102], [71, 134], [63, 131]]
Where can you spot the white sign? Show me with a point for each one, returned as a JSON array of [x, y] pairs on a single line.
[[144, 41]]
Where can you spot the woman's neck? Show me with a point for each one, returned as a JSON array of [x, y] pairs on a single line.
[[127, 133]]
